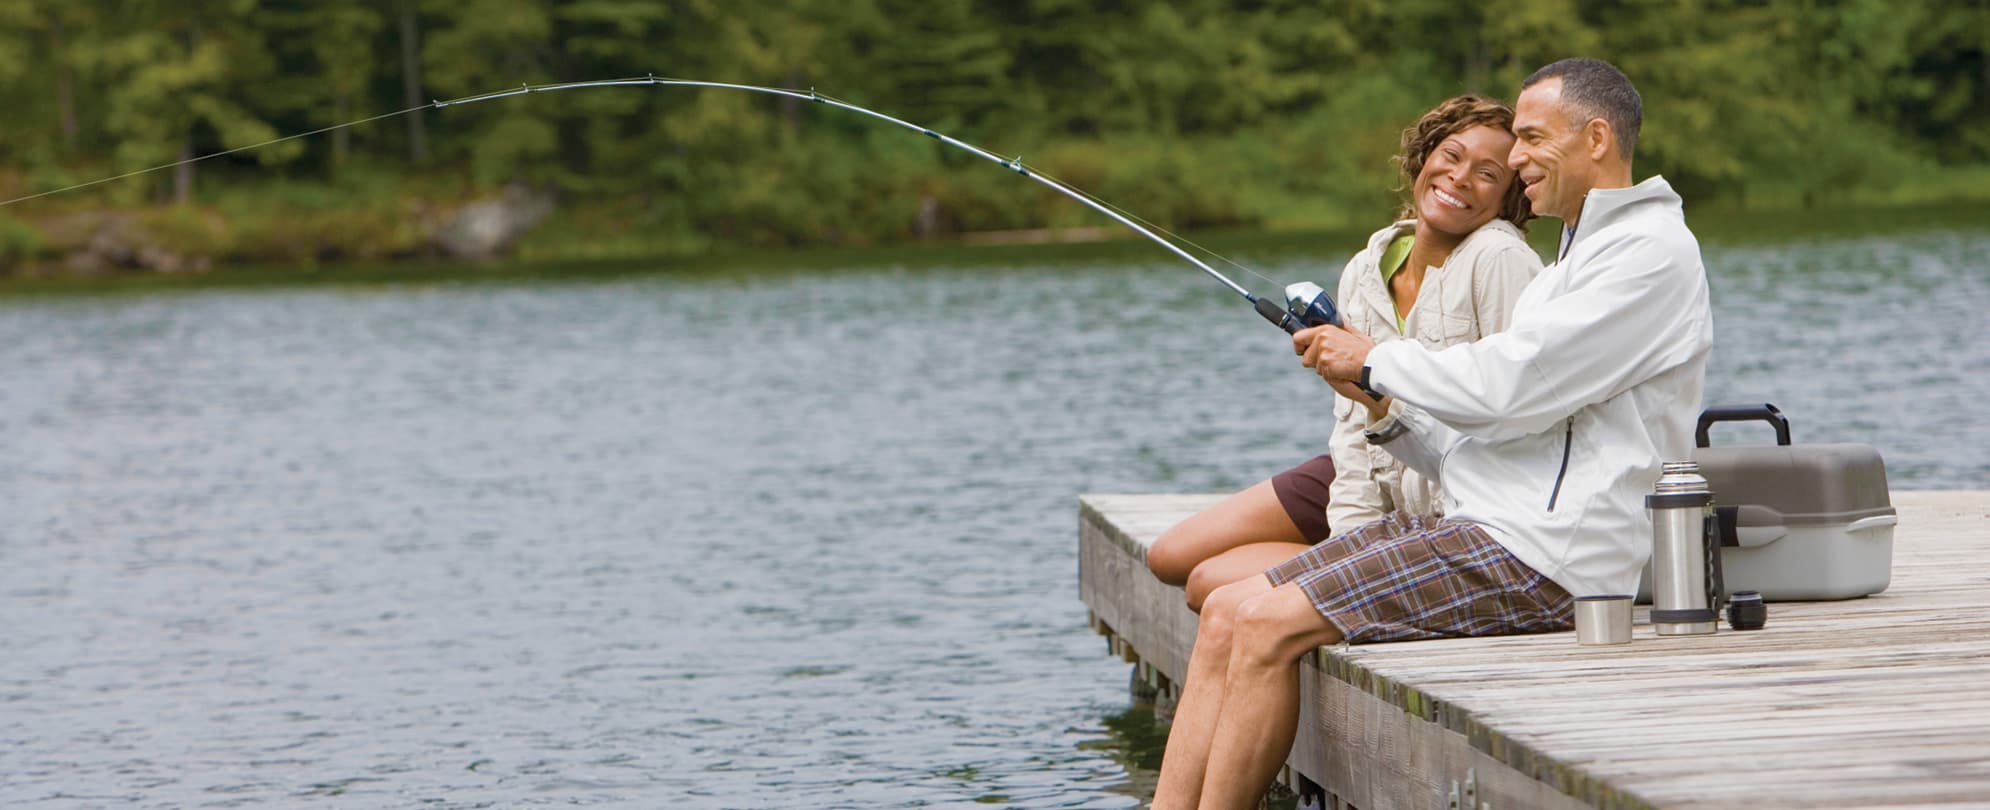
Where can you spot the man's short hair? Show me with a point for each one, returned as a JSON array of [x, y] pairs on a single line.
[[1593, 88]]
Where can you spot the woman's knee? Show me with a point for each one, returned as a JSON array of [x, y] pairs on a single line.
[[1218, 610], [1203, 582], [1251, 516], [1172, 556], [1246, 562]]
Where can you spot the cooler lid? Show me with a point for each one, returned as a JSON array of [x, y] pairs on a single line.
[[1810, 484]]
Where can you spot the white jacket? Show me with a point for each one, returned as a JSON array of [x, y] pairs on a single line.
[[1551, 433], [1470, 296]]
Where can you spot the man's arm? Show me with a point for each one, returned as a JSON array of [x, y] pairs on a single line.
[[1419, 443], [1644, 312]]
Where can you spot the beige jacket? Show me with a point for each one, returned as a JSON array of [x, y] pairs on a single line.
[[1467, 298]]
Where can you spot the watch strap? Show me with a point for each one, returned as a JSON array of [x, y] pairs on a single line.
[[1365, 388]]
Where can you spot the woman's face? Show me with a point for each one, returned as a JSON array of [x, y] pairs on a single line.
[[1464, 180]]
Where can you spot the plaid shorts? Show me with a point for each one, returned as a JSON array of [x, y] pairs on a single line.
[[1409, 577]]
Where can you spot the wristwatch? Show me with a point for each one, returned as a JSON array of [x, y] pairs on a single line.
[[1363, 385]]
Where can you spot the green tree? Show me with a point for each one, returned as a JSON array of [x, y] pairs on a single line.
[[331, 46], [1942, 97], [174, 73], [485, 45], [41, 78]]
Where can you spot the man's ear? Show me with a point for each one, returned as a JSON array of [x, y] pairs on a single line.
[[1597, 139]]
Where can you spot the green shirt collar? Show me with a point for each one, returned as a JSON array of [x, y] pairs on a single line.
[[1397, 254]]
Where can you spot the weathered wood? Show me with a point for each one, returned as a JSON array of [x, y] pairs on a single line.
[[1875, 702]]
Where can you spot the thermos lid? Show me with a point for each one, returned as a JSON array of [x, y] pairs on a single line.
[[1746, 611]]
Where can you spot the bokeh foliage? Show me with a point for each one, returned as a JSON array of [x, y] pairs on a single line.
[[1197, 113]]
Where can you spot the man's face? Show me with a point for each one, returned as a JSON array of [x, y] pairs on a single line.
[[1548, 154]]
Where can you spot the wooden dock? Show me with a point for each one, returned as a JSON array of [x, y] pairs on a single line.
[[1868, 703]]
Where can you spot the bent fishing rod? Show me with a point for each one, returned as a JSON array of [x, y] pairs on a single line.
[[1306, 304]]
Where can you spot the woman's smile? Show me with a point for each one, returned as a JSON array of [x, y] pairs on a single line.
[[1464, 180]]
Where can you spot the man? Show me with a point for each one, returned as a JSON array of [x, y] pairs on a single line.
[[1545, 438]]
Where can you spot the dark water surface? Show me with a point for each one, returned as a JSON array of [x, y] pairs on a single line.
[[756, 539]]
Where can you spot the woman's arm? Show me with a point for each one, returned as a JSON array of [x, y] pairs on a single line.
[[1354, 498]]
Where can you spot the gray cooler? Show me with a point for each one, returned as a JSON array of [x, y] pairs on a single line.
[[1796, 521]]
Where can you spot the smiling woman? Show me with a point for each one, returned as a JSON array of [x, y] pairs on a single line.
[[1447, 273]]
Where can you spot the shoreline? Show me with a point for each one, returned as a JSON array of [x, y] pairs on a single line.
[[548, 252]]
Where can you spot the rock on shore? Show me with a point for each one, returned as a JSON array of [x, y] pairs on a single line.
[[487, 229]]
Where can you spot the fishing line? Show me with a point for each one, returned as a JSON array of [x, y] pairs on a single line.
[[1164, 231], [225, 152], [1088, 196], [1306, 303]]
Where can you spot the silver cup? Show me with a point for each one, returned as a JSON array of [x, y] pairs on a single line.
[[1603, 619]]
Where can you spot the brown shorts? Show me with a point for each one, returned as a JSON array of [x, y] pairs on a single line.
[[1422, 576], [1302, 490]]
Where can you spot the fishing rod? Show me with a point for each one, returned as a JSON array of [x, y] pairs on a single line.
[[1306, 304]]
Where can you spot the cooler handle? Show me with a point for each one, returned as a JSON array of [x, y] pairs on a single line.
[[1874, 522], [1764, 412]]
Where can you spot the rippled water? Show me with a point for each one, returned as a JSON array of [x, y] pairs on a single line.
[[752, 539]]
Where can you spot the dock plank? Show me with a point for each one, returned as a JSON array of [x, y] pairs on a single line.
[[1876, 702]]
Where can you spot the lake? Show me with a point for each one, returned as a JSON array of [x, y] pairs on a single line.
[[772, 534]]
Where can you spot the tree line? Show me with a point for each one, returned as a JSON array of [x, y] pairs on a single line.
[[1197, 113]]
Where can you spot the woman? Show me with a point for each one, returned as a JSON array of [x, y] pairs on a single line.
[[1448, 273]]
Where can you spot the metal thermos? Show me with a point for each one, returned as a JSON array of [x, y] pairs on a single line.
[[1684, 577]]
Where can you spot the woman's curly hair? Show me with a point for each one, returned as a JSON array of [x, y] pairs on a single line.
[[1449, 118]]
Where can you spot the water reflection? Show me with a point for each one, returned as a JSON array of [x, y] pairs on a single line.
[[751, 540], [1135, 739]]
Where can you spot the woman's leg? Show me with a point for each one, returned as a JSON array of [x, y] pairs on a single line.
[[1251, 516], [1240, 563], [1185, 763]]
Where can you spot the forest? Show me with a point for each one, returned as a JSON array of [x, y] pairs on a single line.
[[1271, 115]]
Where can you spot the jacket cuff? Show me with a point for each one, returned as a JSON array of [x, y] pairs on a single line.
[[1390, 418], [1386, 429], [1374, 370]]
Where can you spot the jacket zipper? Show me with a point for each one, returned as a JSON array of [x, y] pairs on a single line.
[[1568, 440]]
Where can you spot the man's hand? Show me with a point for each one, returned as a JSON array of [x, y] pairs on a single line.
[[1335, 352]]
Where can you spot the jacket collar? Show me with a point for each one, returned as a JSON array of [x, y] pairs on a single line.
[[1372, 291], [1602, 207], [1377, 294], [1379, 242]]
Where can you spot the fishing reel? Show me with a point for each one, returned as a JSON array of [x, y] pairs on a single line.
[[1305, 305]]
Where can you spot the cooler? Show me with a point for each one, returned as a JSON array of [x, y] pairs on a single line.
[[1797, 522]]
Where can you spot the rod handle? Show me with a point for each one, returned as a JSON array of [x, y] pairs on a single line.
[[1276, 314]]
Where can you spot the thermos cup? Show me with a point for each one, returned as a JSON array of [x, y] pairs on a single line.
[[1603, 619], [1685, 560]]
